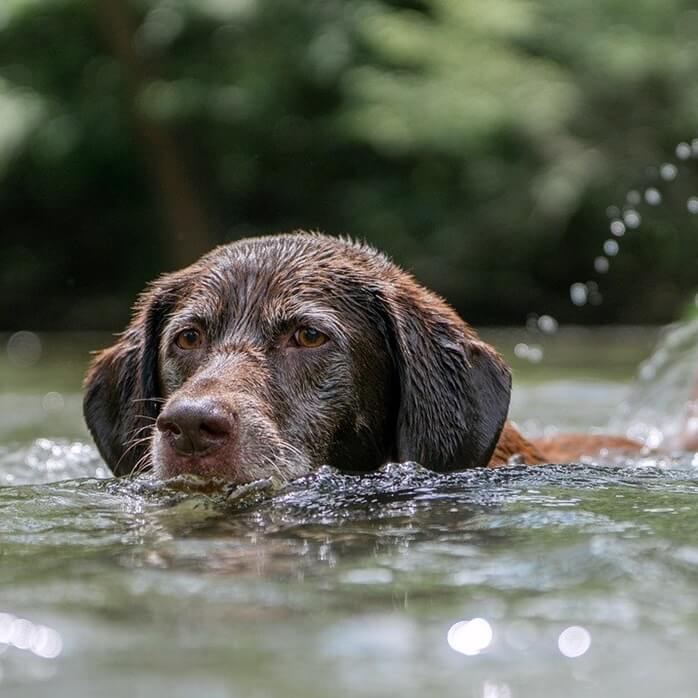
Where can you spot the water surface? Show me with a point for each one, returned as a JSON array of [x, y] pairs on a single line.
[[583, 578]]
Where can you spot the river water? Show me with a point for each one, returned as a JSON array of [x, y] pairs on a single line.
[[522, 582]]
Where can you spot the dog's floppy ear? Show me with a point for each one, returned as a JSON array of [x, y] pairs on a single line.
[[454, 388], [122, 390]]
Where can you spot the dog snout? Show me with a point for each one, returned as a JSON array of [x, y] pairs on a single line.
[[195, 427]]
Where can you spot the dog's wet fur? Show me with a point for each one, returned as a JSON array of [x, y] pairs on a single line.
[[390, 373]]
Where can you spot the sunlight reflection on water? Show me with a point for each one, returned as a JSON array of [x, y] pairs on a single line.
[[22, 634], [47, 460], [574, 641], [470, 637]]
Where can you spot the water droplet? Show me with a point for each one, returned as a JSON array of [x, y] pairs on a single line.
[[683, 151], [547, 324], [692, 204], [601, 264], [668, 172], [694, 147], [579, 293], [632, 218], [653, 197], [521, 350], [618, 228], [611, 247], [613, 212], [633, 197]]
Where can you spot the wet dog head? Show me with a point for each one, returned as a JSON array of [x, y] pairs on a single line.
[[274, 355]]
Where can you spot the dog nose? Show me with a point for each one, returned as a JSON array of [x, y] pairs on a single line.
[[195, 427]]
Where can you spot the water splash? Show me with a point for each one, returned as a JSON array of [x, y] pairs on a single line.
[[628, 217], [663, 401], [623, 219], [47, 460]]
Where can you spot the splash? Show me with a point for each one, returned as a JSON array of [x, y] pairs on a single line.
[[623, 219], [48, 460], [662, 405]]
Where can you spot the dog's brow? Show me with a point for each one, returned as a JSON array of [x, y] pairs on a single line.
[[309, 313]]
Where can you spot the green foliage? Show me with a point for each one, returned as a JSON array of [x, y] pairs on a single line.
[[479, 143]]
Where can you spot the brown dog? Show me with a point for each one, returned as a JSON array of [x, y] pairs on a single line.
[[274, 355]]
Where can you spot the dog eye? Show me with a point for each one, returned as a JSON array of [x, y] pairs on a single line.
[[188, 339], [309, 338]]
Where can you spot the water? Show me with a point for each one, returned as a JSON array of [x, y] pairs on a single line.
[[349, 586]]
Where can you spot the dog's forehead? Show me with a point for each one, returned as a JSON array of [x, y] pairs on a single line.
[[271, 279], [281, 271]]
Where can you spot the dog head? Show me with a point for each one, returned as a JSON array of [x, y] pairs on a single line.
[[274, 355]]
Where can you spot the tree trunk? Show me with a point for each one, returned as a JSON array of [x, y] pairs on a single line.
[[187, 231]]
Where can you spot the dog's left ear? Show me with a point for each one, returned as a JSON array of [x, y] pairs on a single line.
[[454, 388], [122, 394]]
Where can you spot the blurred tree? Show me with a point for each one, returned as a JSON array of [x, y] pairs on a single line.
[[479, 143], [189, 231]]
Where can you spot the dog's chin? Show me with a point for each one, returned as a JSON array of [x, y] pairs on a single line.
[[229, 465]]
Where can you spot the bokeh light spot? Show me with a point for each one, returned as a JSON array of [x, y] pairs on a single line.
[[632, 219], [470, 637], [574, 641], [683, 151], [611, 247], [601, 264], [652, 196], [579, 293], [23, 634], [24, 349], [53, 402], [547, 324], [618, 228], [668, 172]]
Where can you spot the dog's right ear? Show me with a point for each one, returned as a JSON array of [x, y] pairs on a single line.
[[454, 388], [122, 388]]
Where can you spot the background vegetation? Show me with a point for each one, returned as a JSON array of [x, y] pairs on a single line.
[[480, 143]]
